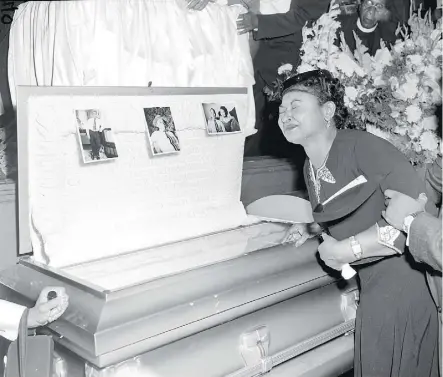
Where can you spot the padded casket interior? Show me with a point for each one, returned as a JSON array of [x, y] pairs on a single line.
[[81, 212], [114, 273]]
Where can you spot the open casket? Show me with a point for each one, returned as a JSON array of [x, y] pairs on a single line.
[[208, 291]]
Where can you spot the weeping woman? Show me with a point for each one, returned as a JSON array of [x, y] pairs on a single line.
[[396, 326]]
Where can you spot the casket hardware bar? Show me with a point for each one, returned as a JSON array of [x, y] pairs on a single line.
[[262, 365], [349, 304], [254, 348]]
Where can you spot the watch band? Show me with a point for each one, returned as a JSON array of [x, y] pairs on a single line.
[[356, 247]]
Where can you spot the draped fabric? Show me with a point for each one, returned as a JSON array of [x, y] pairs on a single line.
[[129, 43]]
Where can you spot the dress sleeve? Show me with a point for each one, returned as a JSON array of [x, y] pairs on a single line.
[[284, 24], [377, 159]]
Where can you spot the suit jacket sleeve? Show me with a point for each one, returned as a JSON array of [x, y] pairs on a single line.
[[434, 181], [291, 22], [425, 240], [378, 159], [10, 315]]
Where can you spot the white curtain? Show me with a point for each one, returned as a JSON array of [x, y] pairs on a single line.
[[128, 43]]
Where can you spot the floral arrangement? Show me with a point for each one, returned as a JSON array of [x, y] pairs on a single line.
[[393, 94]]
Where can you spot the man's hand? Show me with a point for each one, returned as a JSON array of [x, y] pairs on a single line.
[[335, 253], [197, 4], [45, 310], [247, 22], [401, 206]]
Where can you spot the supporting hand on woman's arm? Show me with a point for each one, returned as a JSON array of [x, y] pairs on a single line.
[[336, 253]]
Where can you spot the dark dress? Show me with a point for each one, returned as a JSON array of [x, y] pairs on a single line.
[[397, 325]]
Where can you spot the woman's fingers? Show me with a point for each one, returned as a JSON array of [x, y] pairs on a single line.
[[294, 234], [304, 237]]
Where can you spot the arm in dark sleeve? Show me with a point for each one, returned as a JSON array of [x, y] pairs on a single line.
[[433, 180], [425, 240], [379, 159], [291, 22]]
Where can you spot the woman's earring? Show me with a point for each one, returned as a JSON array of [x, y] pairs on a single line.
[[328, 123]]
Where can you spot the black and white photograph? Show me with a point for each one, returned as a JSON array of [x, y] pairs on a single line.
[[96, 139], [221, 118], [162, 134]]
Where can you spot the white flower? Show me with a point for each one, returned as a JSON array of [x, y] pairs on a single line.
[[351, 93], [433, 72], [429, 141], [305, 67], [347, 65], [409, 89], [429, 123], [378, 81], [322, 65], [414, 132], [284, 68], [409, 44], [395, 84], [383, 56], [413, 113], [401, 130], [377, 132], [399, 46], [415, 59]]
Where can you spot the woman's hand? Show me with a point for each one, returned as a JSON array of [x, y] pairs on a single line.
[[45, 310], [298, 233], [335, 253]]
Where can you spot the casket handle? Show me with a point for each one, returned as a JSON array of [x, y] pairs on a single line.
[[254, 348]]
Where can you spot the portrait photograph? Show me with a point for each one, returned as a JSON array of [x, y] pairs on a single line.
[[221, 118], [162, 134], [96, 140]]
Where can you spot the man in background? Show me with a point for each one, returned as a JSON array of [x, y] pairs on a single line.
[[280, 37], [279, 40], [424, 230], [373, 22]]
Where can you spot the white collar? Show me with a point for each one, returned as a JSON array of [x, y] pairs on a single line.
[[365, 30]]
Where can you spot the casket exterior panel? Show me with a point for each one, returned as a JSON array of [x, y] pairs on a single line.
[[107, 327]]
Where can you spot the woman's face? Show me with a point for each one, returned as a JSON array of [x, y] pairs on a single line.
[[213, 113], [300, 116], [161, 125]]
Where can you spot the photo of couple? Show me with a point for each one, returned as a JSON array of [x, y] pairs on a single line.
[[221, 118]]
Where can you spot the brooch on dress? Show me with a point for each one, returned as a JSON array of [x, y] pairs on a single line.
[[323, 174]]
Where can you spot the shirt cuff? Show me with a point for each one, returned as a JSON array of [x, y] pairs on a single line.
[[11, 315]]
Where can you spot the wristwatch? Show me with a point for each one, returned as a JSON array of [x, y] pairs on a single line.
[[356, 247], [408, 221]]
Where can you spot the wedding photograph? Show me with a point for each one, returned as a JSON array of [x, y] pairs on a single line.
[[97, 141], [221, 118], [162, 134]]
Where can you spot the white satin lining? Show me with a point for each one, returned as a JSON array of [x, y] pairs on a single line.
[[129, 43]]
